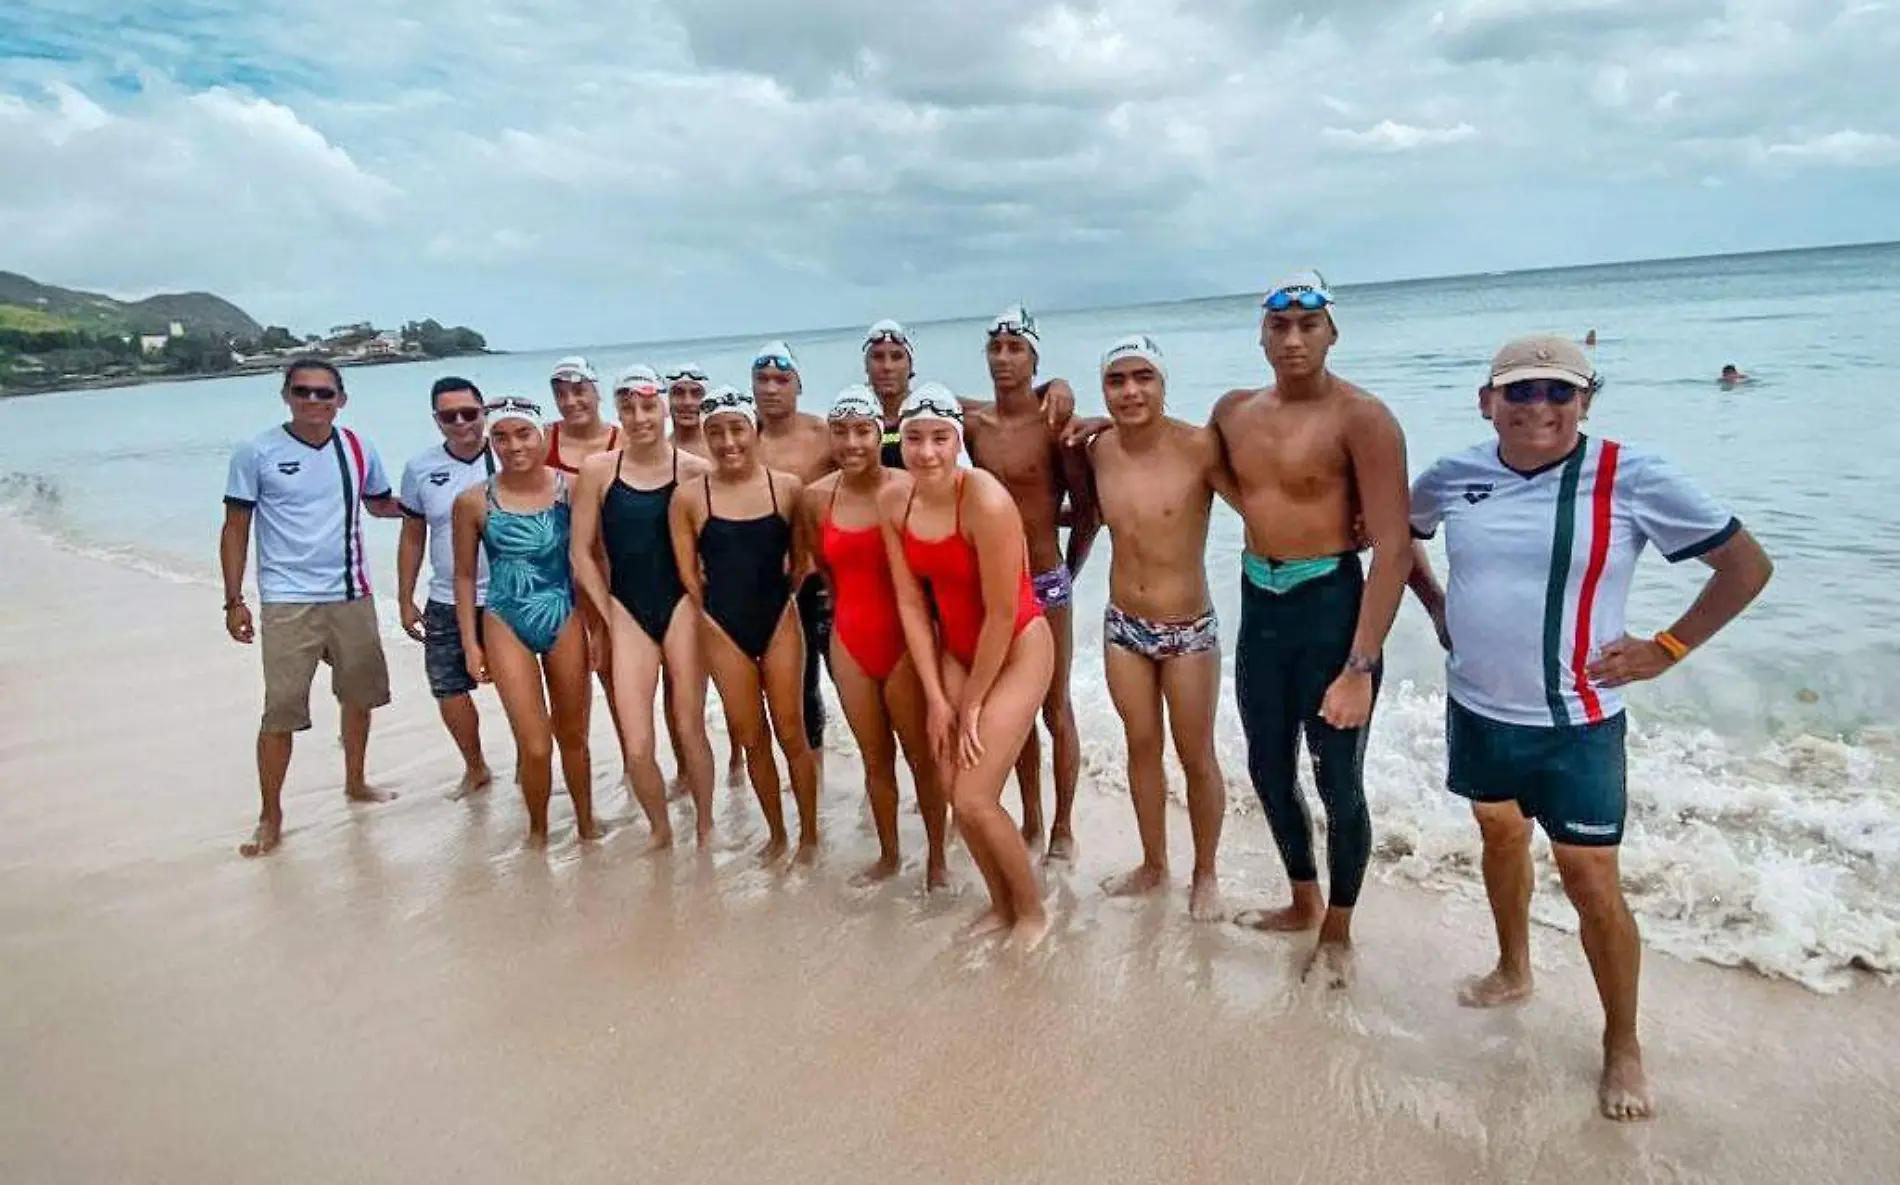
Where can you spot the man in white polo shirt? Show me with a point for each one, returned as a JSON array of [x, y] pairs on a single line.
[[306, 484], [1543, 527], [430, 483]]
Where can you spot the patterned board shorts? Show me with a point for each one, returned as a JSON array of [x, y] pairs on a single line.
[[1054, 590], [1157, 640]]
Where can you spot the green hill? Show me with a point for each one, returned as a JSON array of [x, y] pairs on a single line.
[[30, 305]]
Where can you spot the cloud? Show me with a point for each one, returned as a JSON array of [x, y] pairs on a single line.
[[1387, 136], [557, 172]]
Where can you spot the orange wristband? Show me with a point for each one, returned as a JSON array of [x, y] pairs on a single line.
[[1672, 646]]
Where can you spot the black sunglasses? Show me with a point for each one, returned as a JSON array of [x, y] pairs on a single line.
[[460, 415], [321, 394], [1552, 391]]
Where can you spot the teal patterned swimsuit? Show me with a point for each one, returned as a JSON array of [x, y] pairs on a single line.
[[530, 586]]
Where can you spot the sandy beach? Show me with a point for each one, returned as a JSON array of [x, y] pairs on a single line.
[[404, 994]]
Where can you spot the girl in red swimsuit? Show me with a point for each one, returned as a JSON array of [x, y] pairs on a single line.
[[875, 677], [984, 657]]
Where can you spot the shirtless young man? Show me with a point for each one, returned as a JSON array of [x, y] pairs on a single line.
[[1016, 440], [890, 367], [685, 388], [1155, 479], [1310, 455], [794, 442]]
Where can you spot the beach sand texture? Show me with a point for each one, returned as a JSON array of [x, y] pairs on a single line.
[[403, 994]]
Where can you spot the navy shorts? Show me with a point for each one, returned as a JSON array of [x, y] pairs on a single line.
[[1572, 779], [442, 654]]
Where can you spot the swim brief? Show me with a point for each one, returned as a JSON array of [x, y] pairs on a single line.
[[1053, 588], [1159, 640], [1283, 576]]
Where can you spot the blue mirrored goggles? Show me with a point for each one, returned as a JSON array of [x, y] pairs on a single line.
[[1555, 392], [1308, 299], [775, 361]]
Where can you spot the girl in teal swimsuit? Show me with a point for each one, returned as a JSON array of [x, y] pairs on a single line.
[[527, 637]]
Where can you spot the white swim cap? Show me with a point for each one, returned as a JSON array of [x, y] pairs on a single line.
[[728, 401], [932, 401], [1017, 322], [573, 369], [889, 331], [1137, 345], [513, 407], [775, 354], [639, 379], [856, 402]]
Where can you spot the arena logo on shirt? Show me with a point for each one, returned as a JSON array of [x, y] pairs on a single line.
[[1478, 491], [289, 468], [439, 478]]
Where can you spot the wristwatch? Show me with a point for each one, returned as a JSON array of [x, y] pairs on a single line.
[[1362, 664]]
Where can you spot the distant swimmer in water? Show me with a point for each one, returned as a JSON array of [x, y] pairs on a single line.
[[738, 554], [875, 675], [621, 514], [1590, 340], [527, 638], [1318, 463], [305, 484], [1155, 479], [1732, 376], [1542, 514], [976, 633]]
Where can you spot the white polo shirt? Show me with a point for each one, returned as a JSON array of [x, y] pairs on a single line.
[[1541, 565], [308, 512], [431, 482]]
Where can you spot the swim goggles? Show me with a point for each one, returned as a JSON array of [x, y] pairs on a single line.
[[1017, 322], [931, 405], [1555, 392], [729, 400], [512, 407], [855, 403], [1310, 299], [887, 331], [686, 373]]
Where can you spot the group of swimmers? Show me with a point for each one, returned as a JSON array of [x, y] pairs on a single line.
[[911, 542]]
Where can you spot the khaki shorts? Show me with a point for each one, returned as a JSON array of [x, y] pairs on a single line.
[[296, 638]]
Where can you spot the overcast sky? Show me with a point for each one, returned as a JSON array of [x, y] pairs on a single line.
[[562, 172]]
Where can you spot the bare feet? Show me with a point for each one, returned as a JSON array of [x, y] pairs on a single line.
[[677, 789], [1145, 879], [1032, 836], [1330, 966], [1061, 847], [1204, 899], [774, 849], [1623, 1092], [662, 841], [703, 832], [1029, 931], [992, 922], [1290, 920], [1499, 987], [882, 869], [537, 838], [369, 794], [937, 877], [807, 854], [474, 781], [264, 840]]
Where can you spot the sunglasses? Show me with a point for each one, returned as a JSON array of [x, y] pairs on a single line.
[[686, 373], [320, 394], [1306, 298], [776, 361], [460, 415], [1555, 392]]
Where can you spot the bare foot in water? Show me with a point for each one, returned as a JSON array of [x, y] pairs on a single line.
[[1061, 848], [937, 878], [879, 870], [1290, 920], [807, 854], [1204, 899], [677, 790], [264, 840], [537, 838], [774, 849], [1623, 1092], [991, 922], [473, 781], [1145, 879], [1499, 987], [1032, 836], [1330, 965], [1028, 932], [662, 841], [369, 794]]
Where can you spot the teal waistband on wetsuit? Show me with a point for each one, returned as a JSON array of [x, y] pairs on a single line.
[[1283, 576]]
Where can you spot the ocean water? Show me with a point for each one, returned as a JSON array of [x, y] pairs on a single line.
[[1765, 777]]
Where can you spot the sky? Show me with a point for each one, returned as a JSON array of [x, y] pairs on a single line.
[[556, 172]]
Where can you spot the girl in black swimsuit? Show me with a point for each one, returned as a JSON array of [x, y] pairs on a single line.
[[737, 554], [621, 514]]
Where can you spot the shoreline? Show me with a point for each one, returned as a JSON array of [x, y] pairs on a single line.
[[116, 382], [402, 993]]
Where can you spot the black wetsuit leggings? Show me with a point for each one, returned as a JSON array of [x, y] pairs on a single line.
[[814, 616], [1292, 646]]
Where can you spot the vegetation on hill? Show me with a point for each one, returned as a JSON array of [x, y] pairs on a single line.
[[53, 338]]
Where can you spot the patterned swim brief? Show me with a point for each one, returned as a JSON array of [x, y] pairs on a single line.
[[1157, 640], [1053, 588]]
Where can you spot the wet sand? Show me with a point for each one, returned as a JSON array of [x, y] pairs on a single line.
[[403, 994]]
